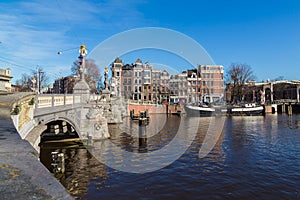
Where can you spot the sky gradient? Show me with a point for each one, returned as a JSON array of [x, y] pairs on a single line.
[[263, 34]]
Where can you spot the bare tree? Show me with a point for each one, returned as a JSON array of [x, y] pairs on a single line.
[[25, 83], [92, 73], [42, 80], [38, 79], [237, 75]]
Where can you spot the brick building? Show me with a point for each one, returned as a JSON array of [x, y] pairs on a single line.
[[212, 82], [140, 82]]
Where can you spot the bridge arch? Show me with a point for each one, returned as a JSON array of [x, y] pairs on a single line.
[[34, 136], [48, 119]]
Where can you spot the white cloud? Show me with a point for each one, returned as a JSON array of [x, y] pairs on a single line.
[[32, 32]]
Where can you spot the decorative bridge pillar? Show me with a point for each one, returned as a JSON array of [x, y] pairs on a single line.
[[91, 122], [81, 87]]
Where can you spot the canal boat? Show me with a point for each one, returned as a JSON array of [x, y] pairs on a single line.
[[246, 109], [198, 110]]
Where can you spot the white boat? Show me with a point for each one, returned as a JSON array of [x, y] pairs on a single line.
[[247, 109], [198, 110]]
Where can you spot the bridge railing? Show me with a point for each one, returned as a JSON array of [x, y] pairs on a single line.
[[52, 100], [281, 101]]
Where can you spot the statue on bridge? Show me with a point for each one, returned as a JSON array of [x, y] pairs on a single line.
[[106, 78], [81, 87]]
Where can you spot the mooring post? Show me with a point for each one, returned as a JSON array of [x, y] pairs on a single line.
[[290, 110]]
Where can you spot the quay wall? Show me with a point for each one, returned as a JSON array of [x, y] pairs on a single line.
[[22, 175], [154, 108]]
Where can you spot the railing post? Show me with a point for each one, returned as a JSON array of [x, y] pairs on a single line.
[[52, 100], [64, 99], [36, 101]]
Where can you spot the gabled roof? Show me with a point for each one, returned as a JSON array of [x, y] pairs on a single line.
[[138, 61], [118, 60]]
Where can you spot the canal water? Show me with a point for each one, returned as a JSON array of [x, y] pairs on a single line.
[[255, 157]]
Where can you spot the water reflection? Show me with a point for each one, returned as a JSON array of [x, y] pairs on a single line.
[[254, 158], [80, 167]]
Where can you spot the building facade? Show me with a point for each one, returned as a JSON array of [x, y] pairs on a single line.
[[64, 85], [5, 80], [140, 82], [212, 82], [194, 86]]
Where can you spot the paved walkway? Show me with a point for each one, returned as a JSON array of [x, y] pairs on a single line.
[[22, 176]]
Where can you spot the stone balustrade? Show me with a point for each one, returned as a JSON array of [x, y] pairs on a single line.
[[52, 100]]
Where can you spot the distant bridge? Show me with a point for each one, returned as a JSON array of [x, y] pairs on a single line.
[[279, 92]]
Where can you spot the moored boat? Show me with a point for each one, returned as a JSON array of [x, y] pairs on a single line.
[[246, 109], [199, 110]]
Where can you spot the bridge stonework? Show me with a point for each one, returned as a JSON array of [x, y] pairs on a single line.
[[89, 116]]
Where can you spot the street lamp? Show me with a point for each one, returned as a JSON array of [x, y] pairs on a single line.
[[62, 51]]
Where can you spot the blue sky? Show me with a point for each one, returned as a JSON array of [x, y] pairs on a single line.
[[263, 34]]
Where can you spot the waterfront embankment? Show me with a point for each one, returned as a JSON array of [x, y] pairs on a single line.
[[22, 175]]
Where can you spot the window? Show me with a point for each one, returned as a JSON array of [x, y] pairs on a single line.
[[146, 73], [126, 74], [118, 74]]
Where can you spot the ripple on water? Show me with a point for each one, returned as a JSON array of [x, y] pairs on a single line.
[[254, 158]]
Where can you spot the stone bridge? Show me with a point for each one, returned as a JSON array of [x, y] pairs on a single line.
[[81, 113], [268, 91], [84, 114]]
